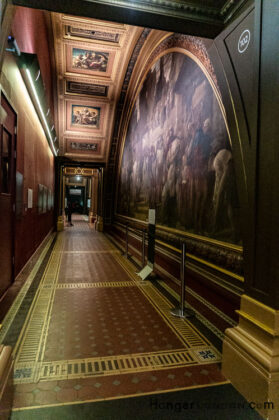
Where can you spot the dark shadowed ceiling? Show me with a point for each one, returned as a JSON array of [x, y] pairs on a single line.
[[195, 17]]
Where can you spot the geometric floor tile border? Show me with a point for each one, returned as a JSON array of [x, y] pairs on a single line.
[[11, 314], [95, 285], [111, 365], [30, 366]]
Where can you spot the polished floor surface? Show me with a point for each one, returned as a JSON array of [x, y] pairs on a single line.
[[95, 332]]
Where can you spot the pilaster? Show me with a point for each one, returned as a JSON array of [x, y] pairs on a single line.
[[251, 356]]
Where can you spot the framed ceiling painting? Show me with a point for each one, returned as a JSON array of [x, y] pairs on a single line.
[[93, 61], [95, 35], [84, 146], [85, 117]]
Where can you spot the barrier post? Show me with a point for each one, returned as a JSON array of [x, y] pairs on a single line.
[[143, 249], [127, 245], [181, 311]]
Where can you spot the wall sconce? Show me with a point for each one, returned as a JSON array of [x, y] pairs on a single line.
[[12, 46], [30, 71]]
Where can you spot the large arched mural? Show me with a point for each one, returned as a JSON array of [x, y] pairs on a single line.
[[177, 156]]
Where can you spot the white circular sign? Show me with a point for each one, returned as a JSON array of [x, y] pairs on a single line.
[[244, 41]]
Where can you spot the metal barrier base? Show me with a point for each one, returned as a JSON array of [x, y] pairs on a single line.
[[185, 313]]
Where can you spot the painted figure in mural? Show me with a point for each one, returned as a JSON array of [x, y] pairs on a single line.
[[198, 160], [159, 171], [224, 193], [84, 116], [91, 60], [169, 192], [77, 61]]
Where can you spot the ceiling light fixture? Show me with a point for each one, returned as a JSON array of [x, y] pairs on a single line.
[[41, 110], [30, 71]]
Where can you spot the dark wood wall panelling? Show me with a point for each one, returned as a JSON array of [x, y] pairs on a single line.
[[250, 93]]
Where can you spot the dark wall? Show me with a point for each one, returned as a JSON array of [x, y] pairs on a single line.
[[248, 75], [31, 33], [35, 161]]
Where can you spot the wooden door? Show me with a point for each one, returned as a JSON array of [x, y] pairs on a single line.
[[7, 194]]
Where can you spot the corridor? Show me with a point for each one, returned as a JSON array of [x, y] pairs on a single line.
[[133, 122], [95, 332]]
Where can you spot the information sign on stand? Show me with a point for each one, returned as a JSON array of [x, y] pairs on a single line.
[[144, 273]]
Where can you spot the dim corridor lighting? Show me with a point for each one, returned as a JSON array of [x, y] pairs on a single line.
[[31, 74], [41, 110]]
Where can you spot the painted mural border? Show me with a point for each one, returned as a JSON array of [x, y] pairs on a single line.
[[188, 235], [196, 260]]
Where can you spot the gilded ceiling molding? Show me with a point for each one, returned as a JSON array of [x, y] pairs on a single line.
[[123, 93], [190, 43], [91, 61]]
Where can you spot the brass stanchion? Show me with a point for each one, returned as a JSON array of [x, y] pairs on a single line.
[[143, 249], [181, 311], [127, 244]]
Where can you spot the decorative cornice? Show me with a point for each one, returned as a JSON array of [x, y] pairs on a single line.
[[190, 43], [167, 7], [122, 97], [111, 166], [188, 14], [227, 260]]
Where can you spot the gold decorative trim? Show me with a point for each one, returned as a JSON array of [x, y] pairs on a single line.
[[222, 244], [202, 261], [222, 270], [258, 303], [113, 251], [189, 235], [10, 316], [254, 321], [111, 365], [79, 171], [216, 267], [33, 333], [99, 284]]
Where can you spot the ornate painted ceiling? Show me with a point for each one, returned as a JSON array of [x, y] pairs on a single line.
[[91, 61]]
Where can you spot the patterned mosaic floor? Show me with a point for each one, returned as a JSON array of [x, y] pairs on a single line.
[[94, 331]]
